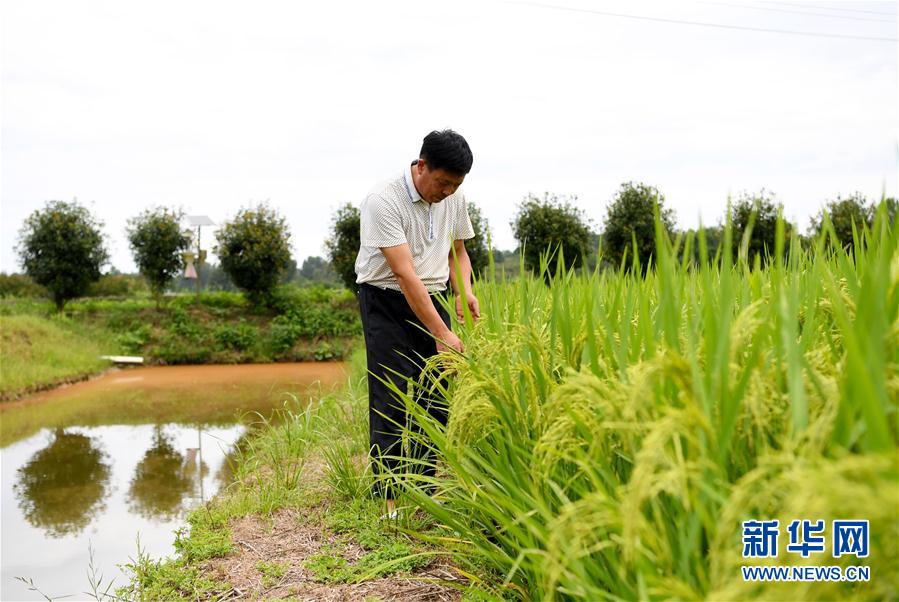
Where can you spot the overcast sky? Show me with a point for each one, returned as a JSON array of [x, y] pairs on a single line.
[[212, 105]]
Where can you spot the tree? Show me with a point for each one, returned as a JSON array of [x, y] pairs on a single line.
[[552, 225], [713, 237], [162, 479], [63, 486], [843, 213], [213, 278], [892, 208], [477, 248], [343, 244], [254, 249], [630, 218], [61, 248], [290, 272], [156, 243], [761, 211], [318, 270]]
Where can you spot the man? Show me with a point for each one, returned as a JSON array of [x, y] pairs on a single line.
[[410, 227]]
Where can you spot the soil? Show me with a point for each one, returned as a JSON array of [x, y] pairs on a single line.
[[292, 535], [289, 537]]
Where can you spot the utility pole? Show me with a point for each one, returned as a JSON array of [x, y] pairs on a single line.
[[199, 261]]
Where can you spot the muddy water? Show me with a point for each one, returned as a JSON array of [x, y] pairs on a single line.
[[98, 464]]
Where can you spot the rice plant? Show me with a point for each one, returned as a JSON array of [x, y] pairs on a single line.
[[609, 432]]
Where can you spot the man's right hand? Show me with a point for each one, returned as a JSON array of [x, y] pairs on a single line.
[[448, 340], [399, 258]]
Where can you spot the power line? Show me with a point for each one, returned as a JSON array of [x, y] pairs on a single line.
[[796, 12], [846, 10], [701, 24]]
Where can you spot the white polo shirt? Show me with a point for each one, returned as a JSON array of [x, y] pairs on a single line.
[[394, 213]]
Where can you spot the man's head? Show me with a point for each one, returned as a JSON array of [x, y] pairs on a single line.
[[443, 163]]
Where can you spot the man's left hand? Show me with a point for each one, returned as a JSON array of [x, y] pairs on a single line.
[[473, 307]]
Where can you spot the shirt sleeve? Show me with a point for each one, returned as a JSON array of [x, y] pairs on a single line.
[[380, 224], [463, 230]]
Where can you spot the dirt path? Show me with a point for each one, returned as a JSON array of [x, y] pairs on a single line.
[[292, 538]]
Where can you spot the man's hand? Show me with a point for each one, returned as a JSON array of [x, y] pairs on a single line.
[[473, 306], [449, 340]]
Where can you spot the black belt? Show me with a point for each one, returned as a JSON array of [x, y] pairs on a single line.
[[390, 291]]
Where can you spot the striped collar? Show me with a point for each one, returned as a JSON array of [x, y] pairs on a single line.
[[410, 185]]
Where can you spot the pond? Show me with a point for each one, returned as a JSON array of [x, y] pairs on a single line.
[[95, 466]]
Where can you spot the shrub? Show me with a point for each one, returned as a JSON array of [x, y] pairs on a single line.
[[284, 332], [221, 300], [239, 337], [183, 325], [324, 351], [134, 339], [20, 285], [173, 350], [116, 285]]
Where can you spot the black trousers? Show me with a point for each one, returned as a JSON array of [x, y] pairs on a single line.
[[396, 344]]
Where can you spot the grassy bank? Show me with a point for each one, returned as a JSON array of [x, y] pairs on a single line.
[[40, 352], [308, 324], [298, 520]]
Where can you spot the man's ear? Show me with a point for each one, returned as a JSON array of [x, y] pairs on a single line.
[[421, 166]]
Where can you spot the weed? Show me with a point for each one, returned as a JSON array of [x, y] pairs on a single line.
[[272, 572], [347, 477], [208, 535], [168, 579], [236, 337]]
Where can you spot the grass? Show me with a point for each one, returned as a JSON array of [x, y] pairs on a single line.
[[271, 572], [310, 458], [169, 580], [42, 351], [181, 578], [386, 559], [40, 348]]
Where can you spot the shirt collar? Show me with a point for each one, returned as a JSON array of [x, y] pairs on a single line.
[[410, 185]]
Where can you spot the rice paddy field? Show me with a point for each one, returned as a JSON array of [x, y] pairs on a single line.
[[610, 433]]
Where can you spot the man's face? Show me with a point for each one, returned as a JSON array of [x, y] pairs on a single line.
[[437, 184]]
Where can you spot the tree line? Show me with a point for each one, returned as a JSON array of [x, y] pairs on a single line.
[[62, 247], [554, 231]]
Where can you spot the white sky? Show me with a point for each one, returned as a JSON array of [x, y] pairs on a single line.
[[213, 105]]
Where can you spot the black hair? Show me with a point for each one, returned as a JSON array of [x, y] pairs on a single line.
[[447, 150]]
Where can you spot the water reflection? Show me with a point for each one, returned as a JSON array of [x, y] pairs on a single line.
[[100, 462], [64, 485], [164, 478]]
